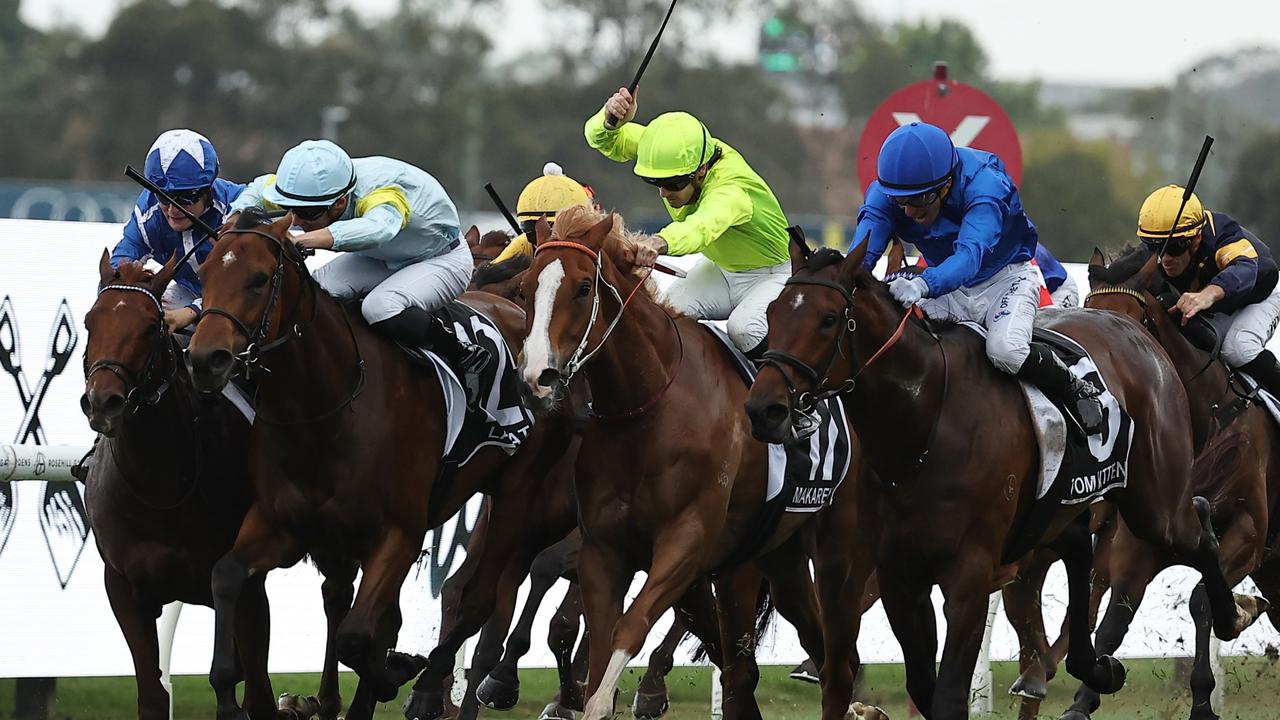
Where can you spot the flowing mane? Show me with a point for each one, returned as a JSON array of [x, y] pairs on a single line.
[[577, 220]]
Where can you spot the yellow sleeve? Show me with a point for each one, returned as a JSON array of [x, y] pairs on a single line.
[[519, 245], [1231, 252], [619, 145], [392, 195], [720, 209]]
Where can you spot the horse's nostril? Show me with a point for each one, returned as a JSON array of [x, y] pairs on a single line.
[[549, 377], [85, 407], [114, 405], [776, 413], [220, 361]]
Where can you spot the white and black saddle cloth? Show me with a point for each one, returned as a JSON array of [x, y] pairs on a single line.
[[502, 419]]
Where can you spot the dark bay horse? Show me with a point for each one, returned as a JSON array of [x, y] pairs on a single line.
[[1237, 468], [345, 454], [956, 461], [486, 247], [668, 478], [167, 487]]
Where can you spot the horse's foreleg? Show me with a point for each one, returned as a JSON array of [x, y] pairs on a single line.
[[488, 649], [910, 612], [651, 699], [1022, 607], [604, 582], [337, 592], [739, 591], [138, 624], [362, 641], [253, 636], [787, 568], [843, 569], [697, 610], [259, 548], [562, 635], [966, 589]]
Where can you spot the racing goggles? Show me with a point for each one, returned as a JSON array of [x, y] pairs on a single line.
[[185, 198], [1175, 247], [671, 184], [923, 200], [308, 212]]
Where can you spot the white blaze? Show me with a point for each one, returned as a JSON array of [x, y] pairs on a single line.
[[537, 349]]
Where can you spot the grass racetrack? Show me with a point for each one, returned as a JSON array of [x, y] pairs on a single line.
[[1156, 691]]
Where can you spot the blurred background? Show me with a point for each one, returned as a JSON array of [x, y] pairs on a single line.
[[1109, 102]]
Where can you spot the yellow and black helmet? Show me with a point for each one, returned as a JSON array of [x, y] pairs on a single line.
[[545, 196], [1156, 218]]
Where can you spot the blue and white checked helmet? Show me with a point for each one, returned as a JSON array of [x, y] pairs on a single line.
[[181, 160], [315, 173]]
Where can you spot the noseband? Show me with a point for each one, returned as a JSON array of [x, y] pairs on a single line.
[[139, 389]]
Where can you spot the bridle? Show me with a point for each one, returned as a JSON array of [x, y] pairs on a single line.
[[251, 357], [146, 387], [580, 354]]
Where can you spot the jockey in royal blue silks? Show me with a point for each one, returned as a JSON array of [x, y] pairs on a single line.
[[961, 210], [184, 164]]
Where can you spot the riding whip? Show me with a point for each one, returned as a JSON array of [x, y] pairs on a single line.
[[1186, 193], [511, 219], [155, 189], [611, 122]]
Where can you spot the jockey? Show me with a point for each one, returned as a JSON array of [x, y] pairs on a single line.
[[962, 211], [183, 164], [1219, 267], [719, 206], [1062, 288], [397, 234], [542, 199]]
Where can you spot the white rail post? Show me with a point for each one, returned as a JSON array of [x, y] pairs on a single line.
[[1219, 695], [166, 628], [459, 690], [980, 686], [717, 695]]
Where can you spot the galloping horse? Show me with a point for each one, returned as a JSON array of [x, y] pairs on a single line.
[[486, 247], [167, 486], [950, 440], [668, 478], [345, 454], [1237, 469]]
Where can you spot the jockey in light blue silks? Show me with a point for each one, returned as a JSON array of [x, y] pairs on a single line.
[[397, 232], [185, 165], [962, 212]]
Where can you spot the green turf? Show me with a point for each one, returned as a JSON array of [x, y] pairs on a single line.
[[1153, 693]]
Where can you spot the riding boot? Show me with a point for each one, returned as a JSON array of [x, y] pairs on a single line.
[[1045, 370], [1266, 371], [416, 327], [803, 422]]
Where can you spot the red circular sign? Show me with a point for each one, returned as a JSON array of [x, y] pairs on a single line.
[[969, 115]]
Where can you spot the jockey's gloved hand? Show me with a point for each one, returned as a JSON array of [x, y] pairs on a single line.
[[908, 291]]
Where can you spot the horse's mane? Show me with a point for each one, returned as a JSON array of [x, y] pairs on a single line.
[[133, 273], [578, 220], [823, 258], [492, 273], [251, 218]]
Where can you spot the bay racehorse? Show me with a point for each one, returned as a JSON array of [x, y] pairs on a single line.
[[669, 479], [345, 454], [167, 487], [1237, 468], [486, 247], [955, 461]]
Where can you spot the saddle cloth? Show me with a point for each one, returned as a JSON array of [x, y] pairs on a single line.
[[501, 420], [803, 476]]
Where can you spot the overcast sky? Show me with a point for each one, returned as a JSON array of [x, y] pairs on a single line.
[[1112, 42]]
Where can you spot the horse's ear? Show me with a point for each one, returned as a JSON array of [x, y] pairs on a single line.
[[473, 236], [798, 248], [106, 273], [280, 228], [852, 262], [542, 231], [160, 281], [897, 257], [599, 233]]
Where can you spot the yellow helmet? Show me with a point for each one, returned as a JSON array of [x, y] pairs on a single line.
[[547, 195], [1156, 217], [673, 144]]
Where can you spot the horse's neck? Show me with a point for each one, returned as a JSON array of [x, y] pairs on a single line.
[[317, 368], [1205, 380], [637, 361], [158, 440]]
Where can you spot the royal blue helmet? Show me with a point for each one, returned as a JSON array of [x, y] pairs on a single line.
[[915, 159], [181, 160]]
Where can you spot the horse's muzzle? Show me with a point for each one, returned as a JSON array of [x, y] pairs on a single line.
[[770, 419], [211, 368], [105, 410]]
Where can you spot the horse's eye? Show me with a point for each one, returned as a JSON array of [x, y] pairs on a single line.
[[828, 320], [584, 288], [258, 281]]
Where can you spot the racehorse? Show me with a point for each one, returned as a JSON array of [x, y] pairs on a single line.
[[167, 486], [950, 441], [502, 279], [1237, 469], [345, 454], [668, 478], [486, 247]]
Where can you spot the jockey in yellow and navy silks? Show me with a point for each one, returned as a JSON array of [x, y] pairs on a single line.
[[961, 210], [184, 164], [397, 234], [1219, 267]]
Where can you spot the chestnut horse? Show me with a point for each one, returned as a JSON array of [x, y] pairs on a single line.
[[668, 478], [167, 487], [346, 450], [953, 482]]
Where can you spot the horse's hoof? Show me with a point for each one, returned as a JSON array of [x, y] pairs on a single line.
[[497, 695], [556, 711], [297, 707], [650, 706], [1108, 675], [403, 667], [806, 671], [867, 712], [1074, 715], [424, 705], [1029, 686]]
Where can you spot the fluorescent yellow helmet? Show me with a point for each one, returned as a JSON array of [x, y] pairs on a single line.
[[674, 144], [547, 195], [1156, 217]]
